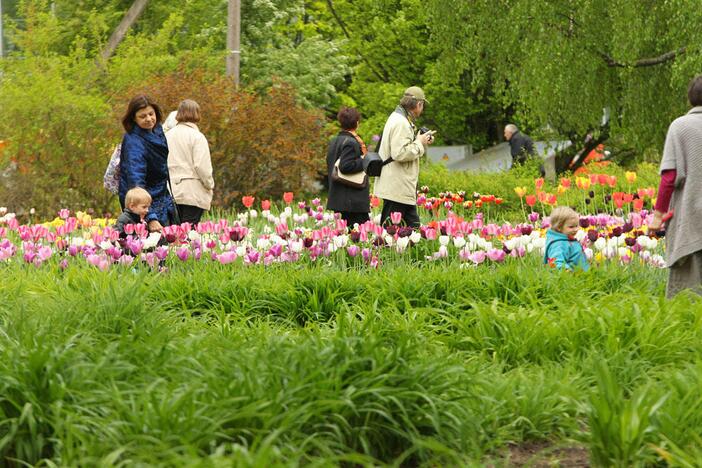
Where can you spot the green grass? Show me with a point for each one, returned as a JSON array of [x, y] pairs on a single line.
[[432, 365]]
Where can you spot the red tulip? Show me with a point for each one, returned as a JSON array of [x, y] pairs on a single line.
[[288, 197], [247, 200], [531, 200], [265, 204]]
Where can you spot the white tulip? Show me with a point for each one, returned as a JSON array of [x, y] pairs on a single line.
[[459, 242], [402, 243]]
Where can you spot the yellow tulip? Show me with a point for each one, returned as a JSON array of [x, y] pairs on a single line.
[[630, 176], [520, 191]]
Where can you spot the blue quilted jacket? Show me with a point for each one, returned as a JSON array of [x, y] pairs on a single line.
[[564, 252], [144, 163]]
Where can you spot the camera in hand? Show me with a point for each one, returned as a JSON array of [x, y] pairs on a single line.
[[423, 130]]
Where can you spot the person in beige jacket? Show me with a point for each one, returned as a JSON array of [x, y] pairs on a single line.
[[397, 184], [189, 164]]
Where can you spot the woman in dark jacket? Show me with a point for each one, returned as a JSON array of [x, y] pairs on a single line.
[[144, 160], [352, 203]]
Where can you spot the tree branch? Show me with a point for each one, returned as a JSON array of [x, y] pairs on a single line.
[[645, 62], [382, 75], [121, 30]]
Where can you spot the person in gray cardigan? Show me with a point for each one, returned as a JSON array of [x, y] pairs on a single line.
[[679, 197]]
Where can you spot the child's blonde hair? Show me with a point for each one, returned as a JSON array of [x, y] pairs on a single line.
[[560, 215], [135, 196]]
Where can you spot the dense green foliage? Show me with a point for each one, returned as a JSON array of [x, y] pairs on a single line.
[[436, 365]]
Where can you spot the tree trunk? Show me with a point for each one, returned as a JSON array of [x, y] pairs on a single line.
[[118, 34]]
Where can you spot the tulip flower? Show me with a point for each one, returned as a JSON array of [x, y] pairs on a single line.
[[630, 177], [288, 197], [396, 217], [520, 191], [530, 200], [247, 201]]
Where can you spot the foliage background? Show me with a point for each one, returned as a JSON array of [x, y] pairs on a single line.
[[549, 66]]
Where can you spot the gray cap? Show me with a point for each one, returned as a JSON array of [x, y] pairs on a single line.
[[416, 92]]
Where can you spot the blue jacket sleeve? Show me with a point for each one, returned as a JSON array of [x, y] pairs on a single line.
[[135, 168]]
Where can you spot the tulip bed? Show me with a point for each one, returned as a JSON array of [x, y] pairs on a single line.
[[274, 336]]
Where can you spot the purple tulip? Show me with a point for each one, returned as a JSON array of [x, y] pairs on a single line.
[[353, 250]]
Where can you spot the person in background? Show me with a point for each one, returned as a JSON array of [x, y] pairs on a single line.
[[137, 202], [352, 203], [144, 160], [401, 142], [562, 248], [520, 145], [678, 202], [189, 164]]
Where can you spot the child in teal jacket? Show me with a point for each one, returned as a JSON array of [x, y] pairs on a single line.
[[562, 249]]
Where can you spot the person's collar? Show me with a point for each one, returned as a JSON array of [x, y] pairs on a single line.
[[189, 124], [695, 110]]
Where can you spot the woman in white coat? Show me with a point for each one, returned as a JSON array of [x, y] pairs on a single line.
[[189, 164]]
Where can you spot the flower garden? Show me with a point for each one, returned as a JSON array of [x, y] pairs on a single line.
[[276, 335]]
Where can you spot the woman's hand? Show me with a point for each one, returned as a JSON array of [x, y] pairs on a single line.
[[657, 222], [154, 226]]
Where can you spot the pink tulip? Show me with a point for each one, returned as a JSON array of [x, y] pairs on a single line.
[[44, 253], [73, 250], [183, 253], [150, 259], [518, 252], [140, 230], [13, 224], [496, 255], [3, 232], [353, 250], [276, 250], [478, 257], [129, 229], [126, 260], [281, 228], [395, 217], [252, 256], [161, 253], [29, 256], [63, 264], [64, 213]]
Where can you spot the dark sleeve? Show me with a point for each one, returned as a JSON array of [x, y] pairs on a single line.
[[351, 161], [119, 225], [134, 155], [665, 190], [529, 146]]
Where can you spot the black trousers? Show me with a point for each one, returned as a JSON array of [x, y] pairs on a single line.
[[409, 213], [353, 217], [190, 214]]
